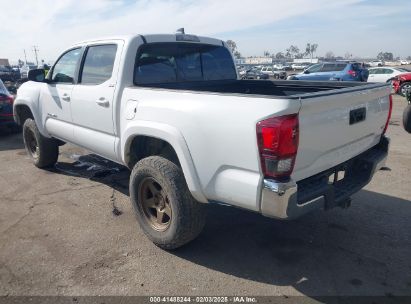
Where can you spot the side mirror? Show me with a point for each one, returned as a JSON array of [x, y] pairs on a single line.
[[37, 75], [306, 72]]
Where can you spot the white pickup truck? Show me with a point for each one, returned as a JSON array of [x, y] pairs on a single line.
[[173, 110]]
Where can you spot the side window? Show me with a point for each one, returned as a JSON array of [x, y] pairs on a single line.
[[388, 71], [98, 65], [65, 68], [328, 67], [379, 71], [315, 68], [372, 72], [341, 67]]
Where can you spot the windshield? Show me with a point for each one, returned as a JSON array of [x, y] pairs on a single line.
[[177, 62]]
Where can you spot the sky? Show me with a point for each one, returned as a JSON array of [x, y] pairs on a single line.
[[362, 28]]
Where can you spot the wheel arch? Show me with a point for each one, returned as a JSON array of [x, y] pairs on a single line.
[[140, 131]]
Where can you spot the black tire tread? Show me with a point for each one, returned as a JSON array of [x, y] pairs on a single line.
[[191, 219], [406, 118], [48, 148]]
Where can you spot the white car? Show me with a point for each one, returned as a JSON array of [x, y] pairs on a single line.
[[384, 74], [172, 109], [404, 62], [299, 66], [376, 63]]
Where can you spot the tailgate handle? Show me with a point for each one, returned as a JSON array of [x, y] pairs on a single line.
[[357, 115]]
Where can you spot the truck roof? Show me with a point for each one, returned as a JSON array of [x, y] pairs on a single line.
[[152, 38]]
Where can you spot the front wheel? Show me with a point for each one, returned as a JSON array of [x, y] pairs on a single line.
[[42, 150], [165, 209]]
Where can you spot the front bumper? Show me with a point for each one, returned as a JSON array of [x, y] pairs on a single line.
[[288, 200]]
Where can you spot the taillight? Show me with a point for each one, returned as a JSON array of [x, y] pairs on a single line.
[[389, 115], [6, 99], [352, 73], [277, 139]]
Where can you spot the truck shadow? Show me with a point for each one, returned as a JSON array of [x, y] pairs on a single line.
[[364, 250]]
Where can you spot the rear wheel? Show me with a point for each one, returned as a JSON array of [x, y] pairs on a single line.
[[406, 118], [404, 87], [164, 207], [42, 150]]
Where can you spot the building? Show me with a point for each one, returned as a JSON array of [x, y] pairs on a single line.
[[306, 60], [258, 60], [4, 62]]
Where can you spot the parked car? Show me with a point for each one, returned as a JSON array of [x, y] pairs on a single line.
[[299, 66], [404, 62], [255, 73], [241, 71], [401, 83], [7, 73], [337, 71], [170, 108], [273, 72], [384, 74], [6, 108], [24, 70], [376, 63]]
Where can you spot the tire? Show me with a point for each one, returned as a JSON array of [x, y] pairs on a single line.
[[406, 118], [42, 150], [404, 87], [164, 207]]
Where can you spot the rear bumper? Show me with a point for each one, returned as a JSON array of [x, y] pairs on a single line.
[[288, 200]]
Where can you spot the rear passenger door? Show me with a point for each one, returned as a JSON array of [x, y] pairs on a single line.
[[93, 102]]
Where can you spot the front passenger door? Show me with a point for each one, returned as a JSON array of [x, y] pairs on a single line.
[[55, 96]]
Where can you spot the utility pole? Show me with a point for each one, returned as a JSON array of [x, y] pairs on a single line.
[[25, 57], [35, 50]]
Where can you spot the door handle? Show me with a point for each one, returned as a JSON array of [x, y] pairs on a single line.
[[65, 97], [103, 102]]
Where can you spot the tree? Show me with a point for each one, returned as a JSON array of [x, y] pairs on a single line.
[[347, 55], [266, 54], [231, 45], [310, 49], [329, 55], [409, 58], [292, 51], [280, 55], [385, 56], [237, 54]]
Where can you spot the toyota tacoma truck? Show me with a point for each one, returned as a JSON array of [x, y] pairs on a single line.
[[173, 110]]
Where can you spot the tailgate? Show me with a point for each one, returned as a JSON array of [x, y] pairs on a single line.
[[328, 137]]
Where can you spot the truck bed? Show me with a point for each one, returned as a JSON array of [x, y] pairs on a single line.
[[266, 88]]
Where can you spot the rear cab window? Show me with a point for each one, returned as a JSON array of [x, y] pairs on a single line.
[[333, 67], [182, 62]]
